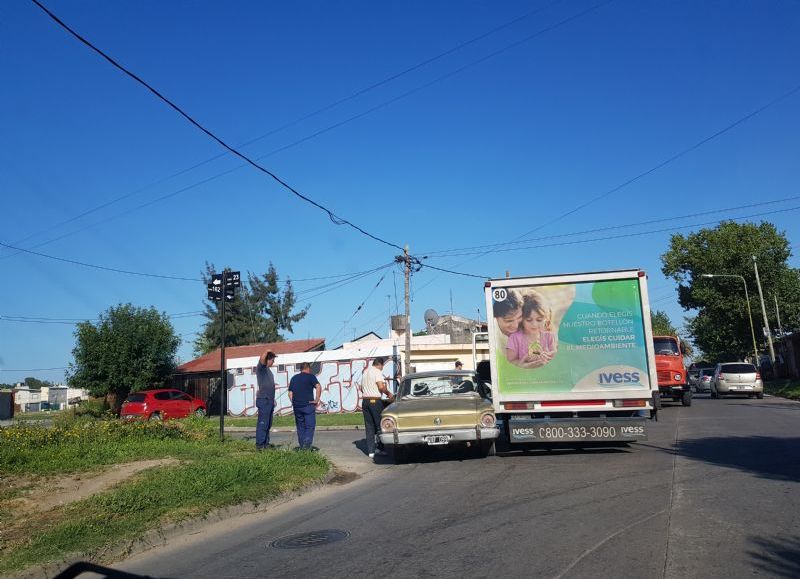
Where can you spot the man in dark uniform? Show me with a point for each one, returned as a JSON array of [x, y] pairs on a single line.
[[265, 399], [305, 392]]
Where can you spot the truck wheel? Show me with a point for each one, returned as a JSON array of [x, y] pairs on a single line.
[[686, 399]]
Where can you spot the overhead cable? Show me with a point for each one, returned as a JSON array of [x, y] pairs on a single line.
[[315, 133], [331, 215]]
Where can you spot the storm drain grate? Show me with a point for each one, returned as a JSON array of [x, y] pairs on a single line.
[[310, 539]]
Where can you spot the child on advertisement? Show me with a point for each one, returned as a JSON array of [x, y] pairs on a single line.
[[508, 315], [534, 341]]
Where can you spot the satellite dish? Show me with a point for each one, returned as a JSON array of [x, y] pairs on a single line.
[[431, 318]]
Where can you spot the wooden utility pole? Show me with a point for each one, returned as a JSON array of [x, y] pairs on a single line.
[[407, 261]]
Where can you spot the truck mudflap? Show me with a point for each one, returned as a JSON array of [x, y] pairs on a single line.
[[580, 430]]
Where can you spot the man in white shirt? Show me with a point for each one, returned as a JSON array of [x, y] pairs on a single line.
[[373, 385]]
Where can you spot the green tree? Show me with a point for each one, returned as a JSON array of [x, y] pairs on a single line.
[[127, 349], [662, 325], [720, 327], [35, 383], [258, 313]]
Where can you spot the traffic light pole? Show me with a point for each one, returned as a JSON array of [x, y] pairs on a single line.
[[223, 383]]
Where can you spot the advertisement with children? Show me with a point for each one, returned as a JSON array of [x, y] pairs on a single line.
[[570, 337]]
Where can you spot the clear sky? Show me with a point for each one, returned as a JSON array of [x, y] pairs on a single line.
[[492, 140]]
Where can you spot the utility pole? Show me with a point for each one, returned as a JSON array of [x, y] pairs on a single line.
[[778, 315], [768, 334], [407, 261]]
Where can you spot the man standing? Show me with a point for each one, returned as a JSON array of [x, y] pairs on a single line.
[[305, 392], [373, 384], [265, 399]]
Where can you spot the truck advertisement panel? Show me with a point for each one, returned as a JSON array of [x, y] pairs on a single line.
[[575, 337]]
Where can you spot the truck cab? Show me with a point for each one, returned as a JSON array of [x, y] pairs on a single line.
[[673, 381]]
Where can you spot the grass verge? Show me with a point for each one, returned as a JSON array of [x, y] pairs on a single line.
[[349, 419], [786, 388], [212, 474]]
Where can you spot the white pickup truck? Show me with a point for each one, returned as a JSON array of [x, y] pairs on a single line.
[[572, 358]]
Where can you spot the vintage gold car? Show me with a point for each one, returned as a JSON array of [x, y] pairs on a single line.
[[445, 408]]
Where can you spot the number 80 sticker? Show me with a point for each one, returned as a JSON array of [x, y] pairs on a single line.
[[499, 295]]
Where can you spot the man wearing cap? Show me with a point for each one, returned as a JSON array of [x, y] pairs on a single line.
[[373, 385], [265, 399]]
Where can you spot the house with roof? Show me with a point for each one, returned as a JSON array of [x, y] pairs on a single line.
[[200, 377]]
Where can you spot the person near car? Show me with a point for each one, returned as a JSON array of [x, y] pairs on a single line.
[[265, 398], [373, 386], [305, 392], [459, 365]]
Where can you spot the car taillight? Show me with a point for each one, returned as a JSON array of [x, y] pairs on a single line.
[[758, 375], [388, 424], [722, 376], [488, 420]]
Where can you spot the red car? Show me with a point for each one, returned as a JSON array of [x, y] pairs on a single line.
[[160, 405]]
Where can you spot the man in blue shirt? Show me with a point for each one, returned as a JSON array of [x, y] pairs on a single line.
[[265, 398], [304, 392]]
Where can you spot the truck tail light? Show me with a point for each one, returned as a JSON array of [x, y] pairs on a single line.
[[722, 376], [630, 403], [518, 405], [758, 375]]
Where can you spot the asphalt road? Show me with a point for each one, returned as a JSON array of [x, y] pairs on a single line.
[[714, 493]]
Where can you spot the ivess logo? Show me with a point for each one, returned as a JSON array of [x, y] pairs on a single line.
[[437, 421], [618, 377]]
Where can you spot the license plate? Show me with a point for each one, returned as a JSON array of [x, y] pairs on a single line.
[[437, 440], [554, 431]]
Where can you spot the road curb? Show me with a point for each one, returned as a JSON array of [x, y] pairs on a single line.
[[160, 536], [291, 429]]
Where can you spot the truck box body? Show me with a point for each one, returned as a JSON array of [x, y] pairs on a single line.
[[579, 365]]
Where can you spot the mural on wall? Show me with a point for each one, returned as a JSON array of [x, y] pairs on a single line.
[[340, 381]]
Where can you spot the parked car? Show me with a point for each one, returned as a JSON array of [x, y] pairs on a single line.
[[440, 409], [161, 405], [704, 379], [737, 378]]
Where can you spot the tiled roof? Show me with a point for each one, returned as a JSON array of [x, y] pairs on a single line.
[[210, 361]]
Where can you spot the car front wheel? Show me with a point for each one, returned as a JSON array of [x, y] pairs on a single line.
[[155, 416], [200, 412]]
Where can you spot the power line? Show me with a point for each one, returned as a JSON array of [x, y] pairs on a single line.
[[331, 215], [635, 234], [304, 117], [324, 129], [653, 169], [671, 159], [74, 321], [95, 266], [358, 308], [458, 251], [33, 369]]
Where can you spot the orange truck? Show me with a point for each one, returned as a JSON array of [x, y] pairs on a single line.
[[673, 382]]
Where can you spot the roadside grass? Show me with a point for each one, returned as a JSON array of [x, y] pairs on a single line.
[[786, 388], [348, 419], [34, 416], [211, 474]]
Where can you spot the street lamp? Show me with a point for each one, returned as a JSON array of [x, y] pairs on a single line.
[[747, 298]]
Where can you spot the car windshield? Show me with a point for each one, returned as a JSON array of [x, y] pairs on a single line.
[[136, 398], [447, 385], [666, 347], [738, 369]]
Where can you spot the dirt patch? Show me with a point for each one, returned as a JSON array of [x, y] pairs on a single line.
[[343, 477], [71, 488]]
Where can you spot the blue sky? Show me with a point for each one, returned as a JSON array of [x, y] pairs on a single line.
[[496, 149]]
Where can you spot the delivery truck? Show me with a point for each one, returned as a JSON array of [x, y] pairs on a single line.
[[572, 358]]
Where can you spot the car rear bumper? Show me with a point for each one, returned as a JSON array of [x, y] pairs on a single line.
[[740, 388], [455, 435]]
